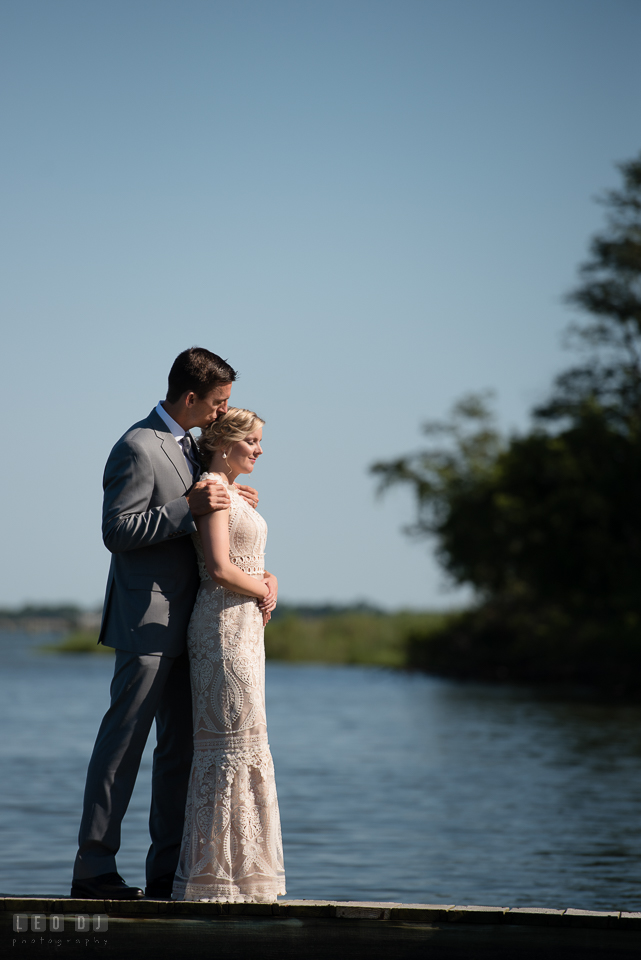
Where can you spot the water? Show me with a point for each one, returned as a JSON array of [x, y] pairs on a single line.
[[391, 786]]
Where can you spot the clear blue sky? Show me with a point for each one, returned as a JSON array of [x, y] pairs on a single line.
[[368, 207]]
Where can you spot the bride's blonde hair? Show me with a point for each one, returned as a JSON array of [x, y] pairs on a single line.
[[233, 426]]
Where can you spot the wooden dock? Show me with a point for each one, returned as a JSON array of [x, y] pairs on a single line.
[[310, 930]]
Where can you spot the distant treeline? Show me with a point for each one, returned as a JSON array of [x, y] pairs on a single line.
[[47, 617], [546, 525], [68, 615]]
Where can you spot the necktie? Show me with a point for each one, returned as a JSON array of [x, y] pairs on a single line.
[[191, 452]]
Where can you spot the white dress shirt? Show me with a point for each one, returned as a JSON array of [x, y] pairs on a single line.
[[176, 430]]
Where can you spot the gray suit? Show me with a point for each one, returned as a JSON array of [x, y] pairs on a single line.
[[152, 585]]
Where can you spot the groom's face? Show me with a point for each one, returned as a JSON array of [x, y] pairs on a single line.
[[208, 408]]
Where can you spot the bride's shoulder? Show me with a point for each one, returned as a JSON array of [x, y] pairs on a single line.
[[216, 477]]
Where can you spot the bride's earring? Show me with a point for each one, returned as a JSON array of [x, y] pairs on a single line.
[[224, 456]]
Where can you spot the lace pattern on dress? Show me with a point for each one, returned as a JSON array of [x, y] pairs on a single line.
[[232, 848]]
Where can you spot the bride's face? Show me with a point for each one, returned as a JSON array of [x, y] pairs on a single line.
[[242, 456]]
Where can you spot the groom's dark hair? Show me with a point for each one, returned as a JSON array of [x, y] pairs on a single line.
[[199, 370]]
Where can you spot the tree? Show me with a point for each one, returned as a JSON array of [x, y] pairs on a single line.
[[609, 380], [546, 526]]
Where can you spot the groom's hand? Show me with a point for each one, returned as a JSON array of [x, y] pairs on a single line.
[[248, 494], [207, 496]]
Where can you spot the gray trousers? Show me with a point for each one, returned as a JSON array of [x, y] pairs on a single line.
[[143, 688]]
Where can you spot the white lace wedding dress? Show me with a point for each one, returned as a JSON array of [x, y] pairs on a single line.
[[231, 848]]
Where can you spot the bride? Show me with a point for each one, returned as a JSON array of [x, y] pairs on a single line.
[[231, 847]]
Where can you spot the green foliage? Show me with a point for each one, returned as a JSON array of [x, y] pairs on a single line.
[[376, 639], [80, 641], [547, 526], [607, 383], [452, 482], [503, 641]]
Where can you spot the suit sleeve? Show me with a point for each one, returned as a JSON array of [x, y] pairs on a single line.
[[127, 520]]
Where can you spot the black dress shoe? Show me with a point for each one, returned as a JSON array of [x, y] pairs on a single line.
[[160, 888], [108, 886]]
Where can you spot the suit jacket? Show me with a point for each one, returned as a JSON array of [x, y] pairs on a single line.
[[146, 522]]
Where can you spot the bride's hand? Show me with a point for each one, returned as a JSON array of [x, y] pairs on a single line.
[[268, 602]]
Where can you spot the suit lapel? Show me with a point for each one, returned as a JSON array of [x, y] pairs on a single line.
[[173, 452], [171, 449]]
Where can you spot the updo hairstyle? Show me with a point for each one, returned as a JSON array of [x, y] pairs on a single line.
[[233, 426]]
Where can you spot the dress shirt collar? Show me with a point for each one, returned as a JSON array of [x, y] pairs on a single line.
[[177, 431]]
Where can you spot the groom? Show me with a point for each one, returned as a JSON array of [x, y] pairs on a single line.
[[152, 493]]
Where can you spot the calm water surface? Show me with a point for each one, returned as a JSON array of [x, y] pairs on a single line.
[[391, 786]]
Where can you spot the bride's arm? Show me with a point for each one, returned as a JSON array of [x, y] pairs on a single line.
[[214, 534]]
